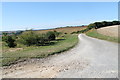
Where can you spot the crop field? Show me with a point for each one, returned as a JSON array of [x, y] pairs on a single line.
[[109, 31], [64, 29]]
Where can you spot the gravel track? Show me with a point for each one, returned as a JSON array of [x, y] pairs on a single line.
[[91, 58]]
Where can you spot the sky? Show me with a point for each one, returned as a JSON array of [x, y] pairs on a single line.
[[46, 15]]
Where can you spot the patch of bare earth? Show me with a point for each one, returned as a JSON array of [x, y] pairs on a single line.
[[12, 49], [109, 31]]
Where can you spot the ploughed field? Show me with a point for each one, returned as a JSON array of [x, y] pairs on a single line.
[[64, 29]]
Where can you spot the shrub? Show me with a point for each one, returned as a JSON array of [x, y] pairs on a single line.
[[73, 32], [50, 35], [41, 39], [65, 33], [90, 26], [19, 32], [29, 38], [57, 33], [10, 41]]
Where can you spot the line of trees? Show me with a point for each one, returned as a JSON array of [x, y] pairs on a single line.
[[29, 38], [97, 25]]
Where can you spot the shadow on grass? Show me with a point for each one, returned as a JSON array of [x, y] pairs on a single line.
[[59, 39], [53, 42]]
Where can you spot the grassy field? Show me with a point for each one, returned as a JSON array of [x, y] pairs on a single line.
[[57, 46], [95, 34]]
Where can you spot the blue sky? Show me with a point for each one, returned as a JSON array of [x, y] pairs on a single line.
[[44, 15]]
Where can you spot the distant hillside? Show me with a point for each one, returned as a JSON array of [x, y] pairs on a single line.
[[64, 29], [67, 29], [10, 32]]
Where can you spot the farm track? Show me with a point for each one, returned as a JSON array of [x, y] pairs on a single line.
[[91, 58]]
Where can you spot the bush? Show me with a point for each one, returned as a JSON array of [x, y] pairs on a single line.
[[19, 32], [57, 33], [31, 38], [90, 26], [73, 33], [50, 35], [41, 39], [10, 41], [65, 33]]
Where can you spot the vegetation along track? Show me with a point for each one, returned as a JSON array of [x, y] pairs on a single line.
[[91, 58]]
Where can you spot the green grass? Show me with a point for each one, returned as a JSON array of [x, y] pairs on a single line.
[[66, 43], [95, 34]]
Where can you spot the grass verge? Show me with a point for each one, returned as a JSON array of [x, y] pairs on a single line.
[[62, 45], [95, 34]]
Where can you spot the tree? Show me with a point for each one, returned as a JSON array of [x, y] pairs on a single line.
[[115, 22], [109, 23], [104, 23], [98, 24]]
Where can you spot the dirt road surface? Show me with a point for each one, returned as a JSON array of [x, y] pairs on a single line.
[[91, 58]]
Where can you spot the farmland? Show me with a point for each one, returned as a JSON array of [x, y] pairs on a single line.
[[64, 29], [62, 43], [77, 59], [109, 33]]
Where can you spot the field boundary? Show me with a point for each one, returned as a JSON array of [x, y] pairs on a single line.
[[93, 33]]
